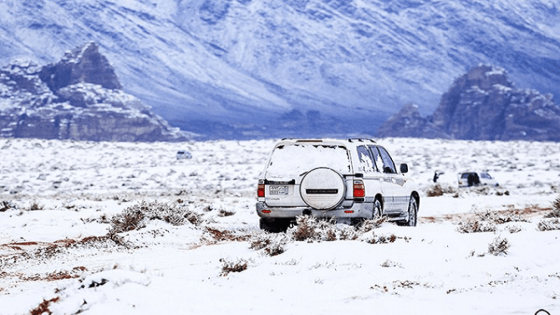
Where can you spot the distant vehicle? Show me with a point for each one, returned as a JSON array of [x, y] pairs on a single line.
[[181, 155], [469, 179], [350, 180]]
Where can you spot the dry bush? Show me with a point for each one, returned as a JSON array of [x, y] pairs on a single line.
[[130, 219], [369, 225], [35, 206], [271, 244], [438, 190], [225, 213], [499, 247], [555, 213], [211, 236], [6, 205], [486, 222], [475, 227], [501, 218], [514, 229], [43, 308], [391, 264], [435, 191], [381, 239], [137, 216], [312, 229], [549, 225], [230, 266]]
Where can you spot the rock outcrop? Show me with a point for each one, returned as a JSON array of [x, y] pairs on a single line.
[[482, 105], [408, 123], [78, 98]]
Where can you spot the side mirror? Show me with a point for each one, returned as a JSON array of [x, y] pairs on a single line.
[[404, 168]]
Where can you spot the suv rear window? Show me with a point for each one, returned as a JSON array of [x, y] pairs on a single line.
[[290, 161]]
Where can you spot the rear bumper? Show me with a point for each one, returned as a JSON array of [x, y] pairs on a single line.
[[356, 210]]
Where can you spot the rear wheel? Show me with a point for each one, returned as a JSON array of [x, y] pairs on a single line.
[[412, 213], [274, 225]]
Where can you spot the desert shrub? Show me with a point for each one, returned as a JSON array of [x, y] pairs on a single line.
[[391, 264], [136, 216], [233, 266], [225, 213], [486, 222], [501, 218], [43, 308], [211, 235], [514, 229], [130, 219], [475, 227], [380, 239], [555, 213], [438, 190], [312, 229], [369, 225], [6, 205], [549, 225], [435, 191], [271, 244], [34, 206], [499, 247]]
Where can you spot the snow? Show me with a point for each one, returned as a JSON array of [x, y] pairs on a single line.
[[301, 158], [76, 187]]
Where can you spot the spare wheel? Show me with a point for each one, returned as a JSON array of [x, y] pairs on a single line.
[[322, 188]]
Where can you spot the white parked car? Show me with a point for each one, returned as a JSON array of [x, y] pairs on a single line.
[[468, 179], [183, 155], [350, 180]]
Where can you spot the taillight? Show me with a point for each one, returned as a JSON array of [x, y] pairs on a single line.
[[260, 190], [359, 189]]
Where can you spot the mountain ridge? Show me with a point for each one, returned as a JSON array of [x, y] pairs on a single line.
[[249, 63]]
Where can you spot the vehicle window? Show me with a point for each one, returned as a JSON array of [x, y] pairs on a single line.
[[465, 175], [388, 164], [366, 160], [377, 161], [291, 161], [485, 175]]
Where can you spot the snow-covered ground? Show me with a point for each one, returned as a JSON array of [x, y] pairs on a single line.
[[60, 251]]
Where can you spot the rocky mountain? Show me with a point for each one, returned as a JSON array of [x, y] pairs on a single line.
[[239, 68], [482, 104], [78, 98]]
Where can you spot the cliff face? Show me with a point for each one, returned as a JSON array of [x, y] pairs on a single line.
[[78, 98], [484, 104]]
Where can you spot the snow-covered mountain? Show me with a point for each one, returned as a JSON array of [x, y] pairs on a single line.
[[77, 98], [250, 68]]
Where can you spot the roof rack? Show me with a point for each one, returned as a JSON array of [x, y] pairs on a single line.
[[310, 140], [360, 140]]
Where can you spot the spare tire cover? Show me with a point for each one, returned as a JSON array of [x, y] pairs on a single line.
[[322, 188]]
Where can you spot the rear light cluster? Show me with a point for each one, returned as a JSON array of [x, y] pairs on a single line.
[[359, 189], [260, 190]]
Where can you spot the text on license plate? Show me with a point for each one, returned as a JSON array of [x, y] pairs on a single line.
[[278, 190]]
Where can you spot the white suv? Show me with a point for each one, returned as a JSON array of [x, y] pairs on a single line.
[[350, 180]]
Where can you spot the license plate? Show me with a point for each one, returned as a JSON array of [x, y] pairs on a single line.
[[278, 190]]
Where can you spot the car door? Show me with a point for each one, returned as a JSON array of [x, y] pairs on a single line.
[[400, 197], [371, 177], [385, 168]]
